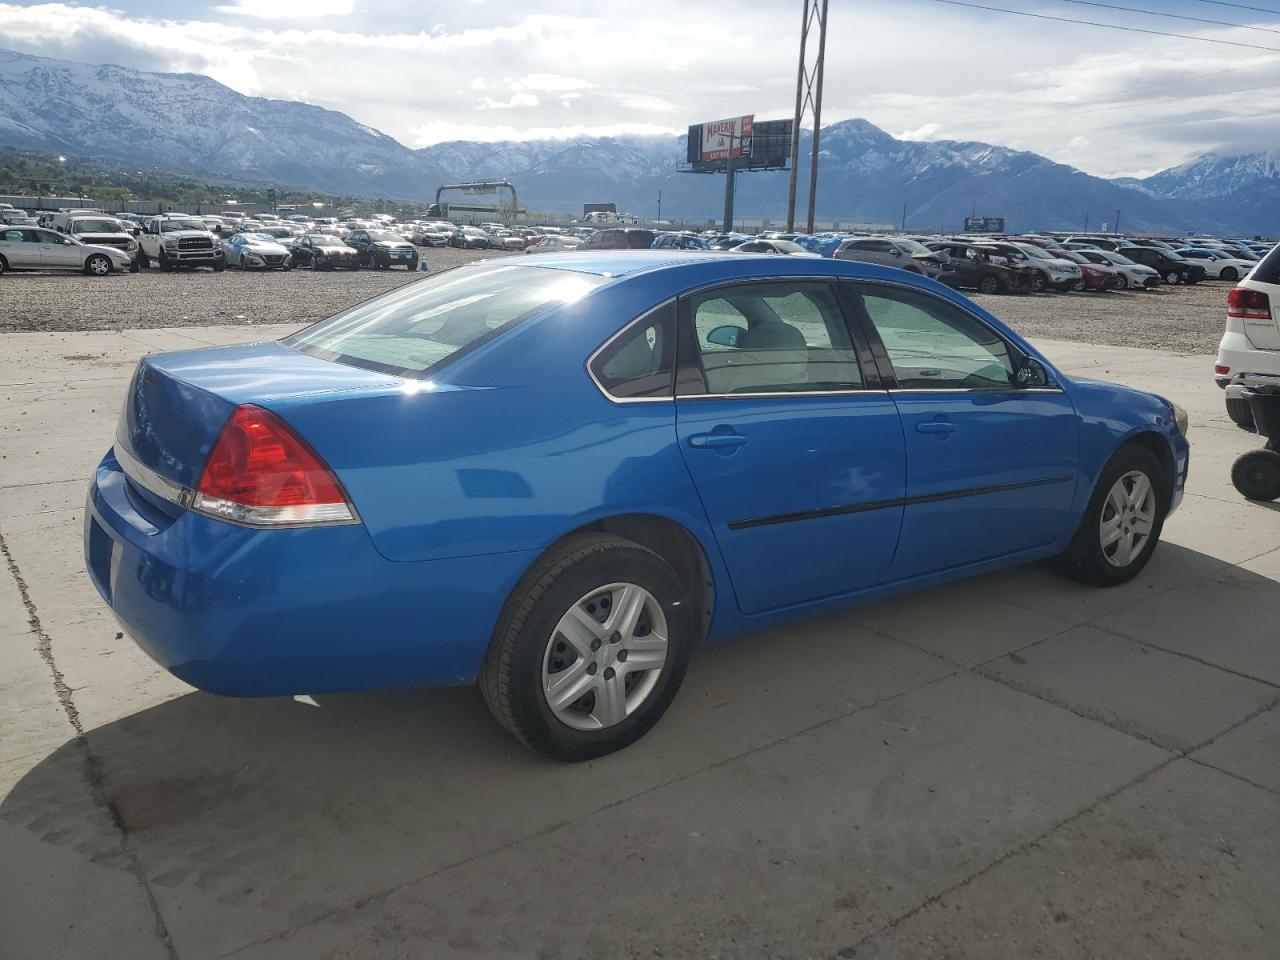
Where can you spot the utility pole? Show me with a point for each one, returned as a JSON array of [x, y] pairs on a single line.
[[1086, 222], [659, 204], [808, 94], [728, 186], [1116, 229], [904, 216]]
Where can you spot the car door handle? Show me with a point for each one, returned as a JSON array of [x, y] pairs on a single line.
[[716, 441], [936, 427]]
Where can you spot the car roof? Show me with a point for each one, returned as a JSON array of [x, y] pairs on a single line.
[[704, 265]]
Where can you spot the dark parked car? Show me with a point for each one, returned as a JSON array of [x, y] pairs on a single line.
[[973, 269], [383, 249], [679, 241], [470, 238], [619, 239], [1171, 267], [319, 251], [909, 255]]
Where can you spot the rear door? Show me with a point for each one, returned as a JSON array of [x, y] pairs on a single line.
[[794, 446], [991, 466], [20, 249]]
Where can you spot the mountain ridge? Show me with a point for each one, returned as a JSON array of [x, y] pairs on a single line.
[[192, 123]]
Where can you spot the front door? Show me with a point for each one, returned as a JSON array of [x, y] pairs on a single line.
[[57, 252], [992, 466], [794, 447]]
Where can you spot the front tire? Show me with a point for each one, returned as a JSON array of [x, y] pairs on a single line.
[[4, 266], [1229, 273], [1122, 523], [97, 265], [1122, 282], [1256, 474], [590, 649], [989, 284]]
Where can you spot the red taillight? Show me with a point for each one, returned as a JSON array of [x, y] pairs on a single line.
[[1221, 370], [261, 472], [1249, 304]]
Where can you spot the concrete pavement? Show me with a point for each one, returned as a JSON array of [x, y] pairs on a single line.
[[1013, 766]]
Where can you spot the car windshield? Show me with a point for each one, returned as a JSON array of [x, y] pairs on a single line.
[[1032, 250], [168, 226], [322, 238], [96, 226], [414, 329], [385, 235], [256, 238], [914, 247], [789, 246], [1072, 256]]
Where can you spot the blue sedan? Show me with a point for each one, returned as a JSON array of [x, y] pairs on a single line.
[[555, 478]]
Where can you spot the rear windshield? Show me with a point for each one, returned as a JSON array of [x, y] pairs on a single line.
[[1268, 269], [415, 329]]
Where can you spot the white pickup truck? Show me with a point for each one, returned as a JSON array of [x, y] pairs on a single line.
[[174, 241]]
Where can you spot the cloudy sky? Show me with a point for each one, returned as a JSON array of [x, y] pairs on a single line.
[[1112, 102]]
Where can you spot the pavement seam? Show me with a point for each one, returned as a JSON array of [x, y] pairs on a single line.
[[1188, 656], [1016, 851], [94, 772], [377, 895], [1234, 776]]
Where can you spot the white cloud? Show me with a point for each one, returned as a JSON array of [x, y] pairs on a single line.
[[930, 131], [288, 9], [648, 104], [551, 82], [517, 100]]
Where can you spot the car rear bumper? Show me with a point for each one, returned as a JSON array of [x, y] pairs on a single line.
[[249, 612]]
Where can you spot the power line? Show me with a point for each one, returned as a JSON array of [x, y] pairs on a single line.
[[1106, 26], [1240, 6], [1170, 16]]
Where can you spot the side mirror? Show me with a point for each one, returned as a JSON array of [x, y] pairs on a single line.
[[1032, 374], [727, 336]]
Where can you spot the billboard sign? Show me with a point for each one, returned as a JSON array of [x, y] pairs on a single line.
[[984, 224], [725, 139]]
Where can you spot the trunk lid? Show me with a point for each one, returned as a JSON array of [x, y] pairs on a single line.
[[178, 402]]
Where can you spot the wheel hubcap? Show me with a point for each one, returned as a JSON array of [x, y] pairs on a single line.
[[605, 656], [1128, 518]]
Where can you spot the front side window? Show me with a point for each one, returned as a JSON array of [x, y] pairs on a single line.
[[640, 363], [933, 344], [419, 326], [776, 337]]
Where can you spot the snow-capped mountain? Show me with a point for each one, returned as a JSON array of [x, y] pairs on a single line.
[[186, 122], [192, 124]]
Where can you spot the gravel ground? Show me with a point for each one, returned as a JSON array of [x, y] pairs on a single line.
[[70, 301], [1177, 319]]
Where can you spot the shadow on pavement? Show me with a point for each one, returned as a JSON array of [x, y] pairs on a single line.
[[285, 809]]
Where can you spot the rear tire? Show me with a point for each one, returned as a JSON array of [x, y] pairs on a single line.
[[4, 265], [143, 261], [1257, 475], [1122, 282], [529, 648], [1229, 273], [1087, 558], [989, 283], [1172, 277], [1240, 411]]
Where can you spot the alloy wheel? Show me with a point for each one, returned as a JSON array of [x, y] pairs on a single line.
[[1128, 517], [604, 656]]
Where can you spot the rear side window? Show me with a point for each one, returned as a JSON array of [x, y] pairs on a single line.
[[413, 330], [640, 363], [1268, 270]]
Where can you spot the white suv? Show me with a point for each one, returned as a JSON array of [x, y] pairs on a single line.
[[1250, 349]]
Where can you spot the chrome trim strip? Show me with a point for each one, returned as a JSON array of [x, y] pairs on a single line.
[[151, 481], [783, 393]]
